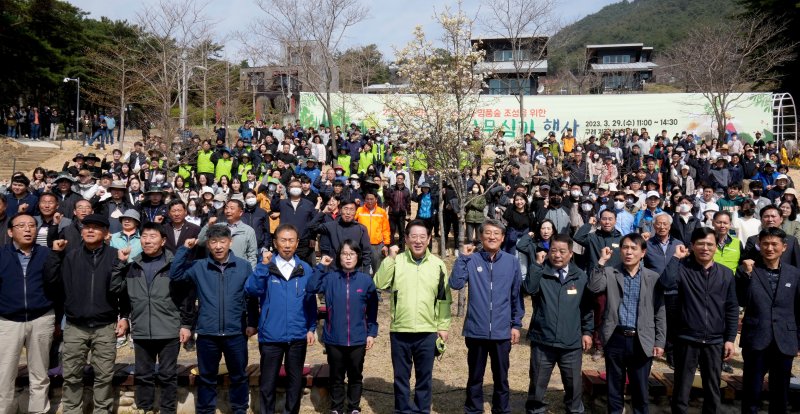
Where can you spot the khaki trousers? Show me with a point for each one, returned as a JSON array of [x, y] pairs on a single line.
[[36, 336], [78, 341]]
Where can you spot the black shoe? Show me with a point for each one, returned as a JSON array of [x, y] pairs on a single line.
[[727, 368]]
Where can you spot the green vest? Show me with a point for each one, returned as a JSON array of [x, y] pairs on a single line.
[[729, 255], [365, 160], [344, 162], [204, 164], [243, 169], [185, 171], [224, 167]]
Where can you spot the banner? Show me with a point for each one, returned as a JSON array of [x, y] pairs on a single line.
[[585, 114]]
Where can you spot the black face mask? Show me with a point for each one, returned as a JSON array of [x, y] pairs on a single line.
[[748, 212], [756, 193], [555, 201]]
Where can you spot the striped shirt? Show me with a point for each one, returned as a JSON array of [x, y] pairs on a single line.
[[629, 308]]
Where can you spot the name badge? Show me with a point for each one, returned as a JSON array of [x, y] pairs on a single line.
[[572, 291], [615, 245]]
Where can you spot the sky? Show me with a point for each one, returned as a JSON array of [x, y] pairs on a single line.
[[390, 23]]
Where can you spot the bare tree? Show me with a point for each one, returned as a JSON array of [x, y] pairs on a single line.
[[526, 24], [444, 85], [360, 67], [311, 34], [113, 64], [724, 62]]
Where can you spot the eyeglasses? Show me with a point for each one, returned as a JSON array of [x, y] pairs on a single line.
[[349, 254], [23, 226]]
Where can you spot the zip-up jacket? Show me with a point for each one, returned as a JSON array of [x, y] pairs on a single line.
[[495, 302], [334, 233], [288, 308], [24, 296], [595, 242], [300, 217], [419, 302], [656, 259], [160, 310], [224, 308], [562, 312], [709, 310], [92, 296], [352, 303], [377, 224]]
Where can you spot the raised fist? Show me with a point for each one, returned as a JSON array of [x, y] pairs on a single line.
[[681, 252], [393, 251], [57, 218], [646, 235], [158, 219], [212, 220], [325, 260], [23, 207], [605, 255], [468, 249], [593, 220], [540, 256], [266, 256], [124, 254], [59, 245], [190, 243], [748, 265]]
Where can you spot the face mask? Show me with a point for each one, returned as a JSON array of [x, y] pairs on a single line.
[[294, 191], [684, 208], [756, 193], [555, 201], [575, 193], [748, 212], [356, 185], [251, 202], [218, 204], [192, 209], [630, 201], [619, 205], [339, 173], [585, 189], [586, 207]]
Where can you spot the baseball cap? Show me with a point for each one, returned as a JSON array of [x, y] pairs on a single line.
[[98, 219], [653, 194], [781, 177]]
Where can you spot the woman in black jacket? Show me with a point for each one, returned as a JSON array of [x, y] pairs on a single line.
[[519, 222]]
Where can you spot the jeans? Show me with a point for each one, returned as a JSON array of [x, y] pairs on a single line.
[[687, 356], [109, 139], [624, 355], [477, 352], [416, 348], [35, 131], [54, 131], [543, 359], [166, 352], [210, 350], [346, 360], [293, 355], [472, 233], [758, 363], [12, 131], [100, 133]]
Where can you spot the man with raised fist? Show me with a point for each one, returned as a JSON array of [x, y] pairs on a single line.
[[96, 308]]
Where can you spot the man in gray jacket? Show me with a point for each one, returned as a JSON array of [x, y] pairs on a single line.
[[244, 243], [634, 323], [161, 319]]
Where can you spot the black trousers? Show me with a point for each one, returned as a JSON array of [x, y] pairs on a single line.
[[292, 355], [165, 351], [543, 360], [673, 314], [347, 360], [451, 221], [624, 355], [758, 363], [417, 350], [397, 224], [477, 352], [688, 355]]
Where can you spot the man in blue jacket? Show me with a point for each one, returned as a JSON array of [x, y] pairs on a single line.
[[494, 313], [223, 310], [26, 314], [298, 212], [288, 317]]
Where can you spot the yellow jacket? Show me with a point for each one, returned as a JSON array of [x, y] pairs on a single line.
[[377, 224]]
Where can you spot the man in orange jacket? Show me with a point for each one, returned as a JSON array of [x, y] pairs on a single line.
[[376, 220]]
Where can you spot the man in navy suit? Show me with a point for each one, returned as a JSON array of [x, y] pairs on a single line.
[[769, 290]]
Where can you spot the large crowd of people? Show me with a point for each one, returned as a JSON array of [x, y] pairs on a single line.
[[631, 247]]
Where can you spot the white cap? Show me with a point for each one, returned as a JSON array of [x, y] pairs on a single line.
[[781, 176], [206, 189], [653, 194]]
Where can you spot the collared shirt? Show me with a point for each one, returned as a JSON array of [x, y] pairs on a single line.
[[176, 231], [286, 268], [221, 266], [562, 274], [25, 259], [629, 308]]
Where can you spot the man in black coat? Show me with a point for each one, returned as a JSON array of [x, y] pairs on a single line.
[[334, 233], [178, 230], [771, 217], [770, 294]]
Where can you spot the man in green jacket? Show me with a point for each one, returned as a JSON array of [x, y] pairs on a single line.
[[420, 314], [161, 317], [561, 326]]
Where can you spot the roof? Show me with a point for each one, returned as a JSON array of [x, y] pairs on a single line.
[[536, 66], [623, 67], [615, 45], [500, 37]]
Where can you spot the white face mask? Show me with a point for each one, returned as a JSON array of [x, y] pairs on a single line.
[[586, 207], [251, 202], [294, 191], [192, 209], [619, 205], [575, 193], [684, 208]]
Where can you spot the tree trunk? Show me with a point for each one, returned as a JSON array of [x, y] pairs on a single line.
[[522, 119], [461, 301]]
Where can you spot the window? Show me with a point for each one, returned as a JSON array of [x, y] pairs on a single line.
[[508, 55], [617, 59], [509, 86]]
